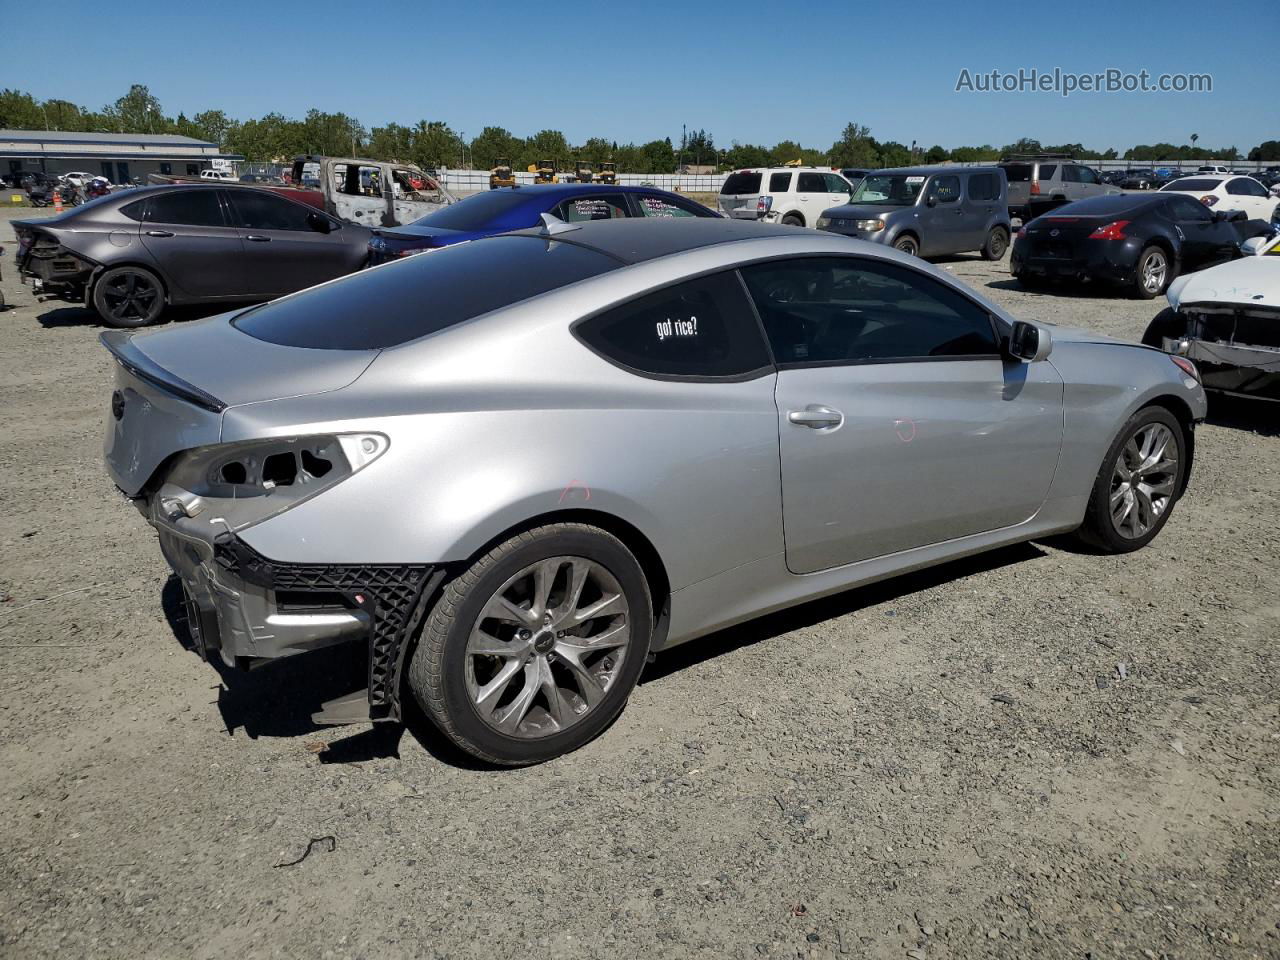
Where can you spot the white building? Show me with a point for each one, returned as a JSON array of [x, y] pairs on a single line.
[[119, 157]]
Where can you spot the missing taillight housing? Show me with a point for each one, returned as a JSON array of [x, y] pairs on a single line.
[[279, 470], [314, 464], [1111, 231], [234, 472]]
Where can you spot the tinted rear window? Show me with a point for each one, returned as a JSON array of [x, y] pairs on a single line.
[[1194, 184], [476, 212], [400, 302], [1017, 172], [741, 182], [1047, 170]]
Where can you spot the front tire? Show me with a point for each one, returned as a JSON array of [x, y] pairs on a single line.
[[128, 297], [533, 650], [908, 245], [1138, 484]]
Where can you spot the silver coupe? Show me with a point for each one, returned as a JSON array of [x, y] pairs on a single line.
[[513, 470]]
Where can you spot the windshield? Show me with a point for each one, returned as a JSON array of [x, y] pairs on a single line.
[[889, 190], [476, 212]]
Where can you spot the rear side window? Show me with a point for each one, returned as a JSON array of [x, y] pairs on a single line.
[[811, 183], [1047, 170], [1246, 187], [701, 328], [780, 182], [193, 208], [580, 209], [662, 208], [838, 310], [403, 301], [136, 210], [744, 181], [1017, 172], [984, 186]]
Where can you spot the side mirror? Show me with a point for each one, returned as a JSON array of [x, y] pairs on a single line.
[[931, 201], [319, 223], [1029, 342]]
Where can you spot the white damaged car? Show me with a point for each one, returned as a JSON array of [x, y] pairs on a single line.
[[1227, 319]]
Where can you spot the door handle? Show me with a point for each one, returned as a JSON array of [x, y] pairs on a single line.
[[159, 233], [257, 238], [816, 417]]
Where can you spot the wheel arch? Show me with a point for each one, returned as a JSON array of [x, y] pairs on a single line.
[[1186, 419], [635, 540]]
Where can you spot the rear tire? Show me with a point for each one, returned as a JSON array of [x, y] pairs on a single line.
[[793, 220], [1138, 484], [997, 243], [128, 297], [1153, 273], [537, 681], [1167, 323]]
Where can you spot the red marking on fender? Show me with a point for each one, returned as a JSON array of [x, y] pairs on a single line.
[[573, 483], [905, 429]]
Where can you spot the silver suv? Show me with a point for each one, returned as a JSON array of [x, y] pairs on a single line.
[[928, 211], [1040, 182]]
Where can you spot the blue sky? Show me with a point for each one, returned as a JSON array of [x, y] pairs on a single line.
[[753, 71]]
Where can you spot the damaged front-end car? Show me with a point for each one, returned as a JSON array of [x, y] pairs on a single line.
[[1226, 319]]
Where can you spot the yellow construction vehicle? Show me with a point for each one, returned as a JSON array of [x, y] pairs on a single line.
[[583, 171], [608, 173], [501, 175], [797, 162], [544, 171]]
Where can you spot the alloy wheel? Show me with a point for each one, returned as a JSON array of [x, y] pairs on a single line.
[[546, 647], [1154, 269], [130, 296], [1142, 481]]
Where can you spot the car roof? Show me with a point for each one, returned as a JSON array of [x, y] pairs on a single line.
[[1109, 205], [930, 170], [636, 240], [534, 190]]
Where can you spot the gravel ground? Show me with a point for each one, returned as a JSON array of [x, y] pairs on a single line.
[[1037, 752]]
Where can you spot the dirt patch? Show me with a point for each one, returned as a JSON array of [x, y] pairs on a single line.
[[1033, 753]]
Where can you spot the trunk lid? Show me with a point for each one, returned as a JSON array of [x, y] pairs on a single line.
[[1060, 238], [740, 193], [172, 385]]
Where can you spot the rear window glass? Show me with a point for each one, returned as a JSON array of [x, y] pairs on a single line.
[[403, 301], [741, 182], [1017, 172], [1194, 184], [476, 212]]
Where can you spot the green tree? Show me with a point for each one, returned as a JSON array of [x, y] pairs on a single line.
[[20, 111], [546, 145], [392, 142], [138, 112], [894, 154], [493, 143], [1022, 145], [936, 154], [855, 148], [434, 144], [1267, 150]]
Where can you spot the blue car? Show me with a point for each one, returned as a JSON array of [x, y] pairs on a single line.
[[520, 207]]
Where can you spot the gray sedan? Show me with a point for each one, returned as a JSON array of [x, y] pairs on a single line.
[[132, 254], [512, 494]]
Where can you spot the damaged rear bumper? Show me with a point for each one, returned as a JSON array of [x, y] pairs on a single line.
[[248, 608]]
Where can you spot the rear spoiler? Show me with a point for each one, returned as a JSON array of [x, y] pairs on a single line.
[[120, 344]]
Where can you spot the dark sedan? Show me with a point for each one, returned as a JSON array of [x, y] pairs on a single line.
[[131, 255], [518, 208], [1140, 180], [1141, 242]]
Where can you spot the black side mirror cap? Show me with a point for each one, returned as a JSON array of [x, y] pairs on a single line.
[[319, 223]]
